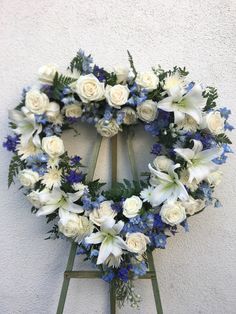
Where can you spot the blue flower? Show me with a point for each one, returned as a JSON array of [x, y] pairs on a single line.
[[94, 253], [38, 163], [156, 149], [109, 276], [123, 274], [108, 115], [87, 203], [74, 177], [41, 118], [138, 95], [75, 161], [86, 62], [158, 223], [159, 240], [99, 73], [228, 127], [217, 204], [225, 112], [11, 143], [139, 269]]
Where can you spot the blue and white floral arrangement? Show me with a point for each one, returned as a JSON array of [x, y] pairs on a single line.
[[116, 227]]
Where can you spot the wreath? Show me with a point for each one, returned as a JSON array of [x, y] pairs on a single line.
[[115, 228]]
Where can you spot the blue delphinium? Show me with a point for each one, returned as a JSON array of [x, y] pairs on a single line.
[[123, 274], [38, 163], [86, 62], [87, 203], [75, 161], [206, 190], [160, 240], [156, 149], [52, 130], [139, 269], [225, 112], [108, 276], [99, 73], [158, 223], [11, 143], [74, 177], [117, 206], [138, 95], [41, 118]]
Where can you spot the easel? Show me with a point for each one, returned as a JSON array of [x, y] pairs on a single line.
[[69, 273]]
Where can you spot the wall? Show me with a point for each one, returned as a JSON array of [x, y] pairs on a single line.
[[197, 270]]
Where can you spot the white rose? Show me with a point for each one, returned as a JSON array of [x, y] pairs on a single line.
[[28, 178], [53, 111], [117, 95], [36, 102], [137, 242], [73, 111], [34, 199], [99, 215], [130, 115], [107, 128], [89, 88], [215, 123], [173, 213], [74, 226], [121, 73], [132, 206], [192, 206], [147, 111], [147, 80], [53, 146], [163, 163], [47, 72], [215, 177]]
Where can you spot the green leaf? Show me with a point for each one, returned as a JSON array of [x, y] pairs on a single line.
[[131, 61], [223, 139], [60, 81], [211, 94], [16, 164]]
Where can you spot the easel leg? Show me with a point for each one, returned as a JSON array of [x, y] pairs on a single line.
[[66, 281], [155, 287], [112, 298]]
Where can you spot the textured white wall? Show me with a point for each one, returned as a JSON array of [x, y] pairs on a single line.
[[197, 270]]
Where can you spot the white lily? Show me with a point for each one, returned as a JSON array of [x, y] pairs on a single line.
[[111, 243], [169, 188], [26, 126], [199, 161], [181, 104], [57, 199]]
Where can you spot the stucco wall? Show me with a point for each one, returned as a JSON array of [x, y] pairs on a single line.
[[197, 270]]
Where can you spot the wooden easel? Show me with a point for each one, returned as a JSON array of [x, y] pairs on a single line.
[[69, 273]]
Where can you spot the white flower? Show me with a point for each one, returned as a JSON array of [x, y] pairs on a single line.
[[99, 215], [89, 88], [200, 163], [53, 111], [173, 213], [169, 186], [57, 199], [174, 83], [132, 206], [137, 242], [117, 95], [188, 124], [47, 72], [214, 178], [146, 194], [163, 163], [36, 101], [184, 178], [192, 206], [28, 177], [191, 103], [111, 243], [26, 126], [107, 128], [80, 187], [74, 226], [52, 178], [73, 111], [121, 73], [34, 199], [147, 80], [28, 150], [53, 146], [130, 115], [215, 123], [147, 111]]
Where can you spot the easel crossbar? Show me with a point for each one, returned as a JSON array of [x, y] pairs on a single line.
[[91, 274]]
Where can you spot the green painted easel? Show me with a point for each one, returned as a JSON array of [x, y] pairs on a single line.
[[69, 273]]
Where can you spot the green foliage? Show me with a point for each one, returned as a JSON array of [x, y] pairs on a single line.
[[94, 187], [77, 62], [223, 139], [211, 94], [111, 78], [125, 293], [131, 61], [126, 189], [54, 233], [16, 164], [59, 83]]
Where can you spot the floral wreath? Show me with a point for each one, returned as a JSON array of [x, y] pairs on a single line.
[[115, 228]]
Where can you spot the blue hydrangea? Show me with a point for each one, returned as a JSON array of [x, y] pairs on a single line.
[[11, 143], [159, 240], [75, 161], [109, 276], [139, 269], [156, 149], [158, 223], [123, 274], [225, 112], [138, 95], [41, 118], [38, 163]]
